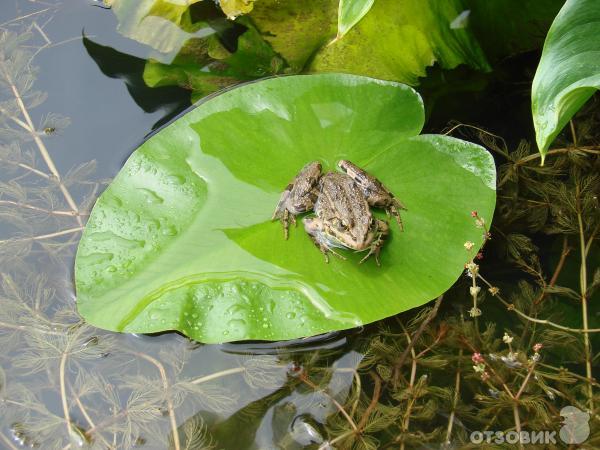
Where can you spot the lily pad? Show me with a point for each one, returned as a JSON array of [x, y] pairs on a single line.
[[182, 238]]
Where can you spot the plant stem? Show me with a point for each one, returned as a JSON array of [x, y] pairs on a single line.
[[90, 421], [455, 399], [588, 149], [36, 208], [42, 148], [511, 307], [340, 408], [63, 388], [374, 400], [45, 236], [220, 374], [415, 337], [170, 407], [584, 306]]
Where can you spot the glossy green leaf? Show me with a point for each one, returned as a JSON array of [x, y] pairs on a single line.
[[417, 35], [569, 70], [350, 12], [182, 238]]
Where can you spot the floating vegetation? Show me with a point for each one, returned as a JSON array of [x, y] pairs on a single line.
[[505, 349]]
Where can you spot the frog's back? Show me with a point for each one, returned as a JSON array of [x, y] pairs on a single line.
[[341, 199]]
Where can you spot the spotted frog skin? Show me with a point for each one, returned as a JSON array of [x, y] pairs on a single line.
[[342, 204]]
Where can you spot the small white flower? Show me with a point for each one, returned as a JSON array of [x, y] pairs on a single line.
[[474, 290], [469, 245], [474, 312], [507, 339]]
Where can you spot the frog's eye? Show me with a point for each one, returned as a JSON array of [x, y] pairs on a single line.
[[338, 224]]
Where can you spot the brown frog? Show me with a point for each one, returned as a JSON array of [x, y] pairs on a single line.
[[341, 203]]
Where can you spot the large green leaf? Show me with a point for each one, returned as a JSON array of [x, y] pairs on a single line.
[[399, 40], [182, 238], [569, 70]]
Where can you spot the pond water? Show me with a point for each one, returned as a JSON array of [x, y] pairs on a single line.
[[65, 384], [124, 390]]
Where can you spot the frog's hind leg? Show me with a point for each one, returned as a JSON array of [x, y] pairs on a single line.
[[381, 232], [376, 193], [299, 196], [282, 212]]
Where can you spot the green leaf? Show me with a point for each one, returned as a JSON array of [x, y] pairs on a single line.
[[235, 8], [350, 12], [399, 40], [182, 238], [569, 70], [296, 29], [205, 65]]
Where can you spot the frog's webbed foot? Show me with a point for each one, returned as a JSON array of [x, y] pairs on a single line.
[[393, 209], [381, 234]]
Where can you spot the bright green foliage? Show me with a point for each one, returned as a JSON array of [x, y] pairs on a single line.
[[296, 29], [350, 12], [300, 35], [399, 40], [182, 239], [569, 70]]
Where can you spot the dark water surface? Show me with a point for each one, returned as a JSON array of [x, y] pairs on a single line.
[[66, 385], [69, 385]]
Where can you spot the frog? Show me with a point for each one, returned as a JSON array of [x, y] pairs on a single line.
[[341, 202]]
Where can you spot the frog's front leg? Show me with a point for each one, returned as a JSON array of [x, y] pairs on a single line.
[[315, 229], [380, 233], [376, 193], [299, 196]]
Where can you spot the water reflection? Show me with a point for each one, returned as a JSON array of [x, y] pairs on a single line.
[[63, 383]]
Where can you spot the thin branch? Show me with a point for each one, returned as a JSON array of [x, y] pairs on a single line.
[[42, 148], [44, 236], [587, 346], [220, 374], [511, 307], [16, 19], [416, 336], [585, 149], [561, 262], [42, 33], [36, 208], [90, 421], [170, 407], [63, 388], [304, 378], [28, 329], [455, 399], [374, 400]]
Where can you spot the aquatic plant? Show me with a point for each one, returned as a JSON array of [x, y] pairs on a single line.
[[424, 377]]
